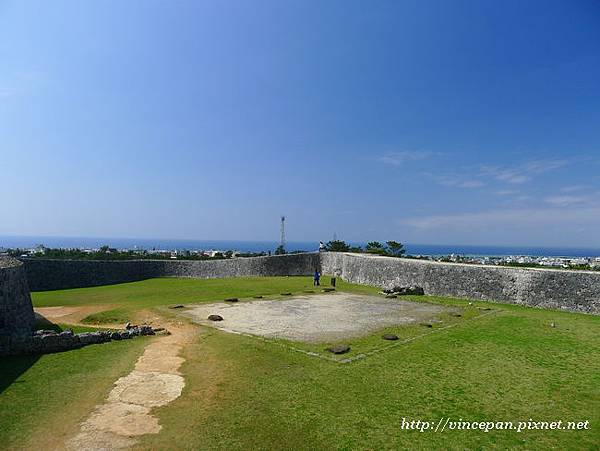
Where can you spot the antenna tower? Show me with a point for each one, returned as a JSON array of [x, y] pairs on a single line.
[[282, 231]]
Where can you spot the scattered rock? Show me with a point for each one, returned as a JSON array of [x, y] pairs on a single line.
[[158, 329], [456, 315], [144, 329], [45, 332], [309, 291], [552, 325], [115, 336], [215, 317], [286, 294], [427, 324], [88, 338], [391, 296], [327, 290], [176, 306], [339, 349], [232, 300], [257, 297], [403, 291], [128, 326], [470, 303], [483, 308], [390, 337]]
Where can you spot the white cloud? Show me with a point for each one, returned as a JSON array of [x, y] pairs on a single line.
[[457, 182], [17, 83], [399, 158], [6, 92], [518, 217], [565, 201], [470, 184], [573, 188], [523, 173]]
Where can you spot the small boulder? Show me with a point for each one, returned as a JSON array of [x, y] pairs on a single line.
[[176, 306], [412, 290], [89, 338], [426, 324], [128, 326], [215, 317], [232, 300], [390, 337], [417, 291], [45, 332], [146, 330], [115, 336], [339, 349]]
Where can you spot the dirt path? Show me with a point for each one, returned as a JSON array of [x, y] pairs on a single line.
[[127, 412]]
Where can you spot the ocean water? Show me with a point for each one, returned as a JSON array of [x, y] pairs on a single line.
[[260, 246]]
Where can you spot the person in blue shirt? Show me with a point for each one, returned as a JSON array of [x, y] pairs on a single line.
[[317, 278]]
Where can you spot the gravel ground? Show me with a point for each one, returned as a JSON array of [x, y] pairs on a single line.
[[315, 318]]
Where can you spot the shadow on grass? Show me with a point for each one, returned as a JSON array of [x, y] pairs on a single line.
[[42, 323], [14, 366]]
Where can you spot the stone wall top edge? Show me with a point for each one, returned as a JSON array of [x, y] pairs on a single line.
[[469, 265]]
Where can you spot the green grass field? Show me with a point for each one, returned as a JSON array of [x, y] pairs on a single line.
[[43, 398], [135, 296], [245, 393]]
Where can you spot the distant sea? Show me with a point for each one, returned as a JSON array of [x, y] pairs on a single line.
[[260, 246]]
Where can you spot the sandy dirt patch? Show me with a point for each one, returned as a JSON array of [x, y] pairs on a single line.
[[315, 318], [127, 412], [70, 314]]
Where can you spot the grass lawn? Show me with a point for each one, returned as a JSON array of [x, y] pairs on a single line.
[[246, 393], [43, 398], [166, 291]]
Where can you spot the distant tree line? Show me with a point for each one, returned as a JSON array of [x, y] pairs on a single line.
[[389, 248], [109, 253]]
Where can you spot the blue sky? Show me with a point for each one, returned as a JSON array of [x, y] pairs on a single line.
[[447, 122]]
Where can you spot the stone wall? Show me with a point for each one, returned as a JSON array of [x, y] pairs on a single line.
[[48, 341], [43, 274], [16, 313], [577, 291], [568, 290]]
